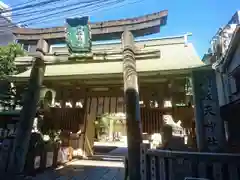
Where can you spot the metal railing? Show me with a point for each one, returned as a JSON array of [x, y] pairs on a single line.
[[180, 165]]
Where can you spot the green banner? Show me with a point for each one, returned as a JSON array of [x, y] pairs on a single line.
[[78, 35]]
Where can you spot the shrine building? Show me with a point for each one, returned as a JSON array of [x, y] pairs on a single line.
[[78, 89]]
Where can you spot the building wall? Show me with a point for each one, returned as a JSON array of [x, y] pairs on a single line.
[[235, 62], [233, 90], [226, 84], [29, 46], [235, 19], [4, 7], [6, 25], [220, 89], [6, 35]]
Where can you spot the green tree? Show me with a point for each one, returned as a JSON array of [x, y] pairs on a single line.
[[7, 67], [7, 57]]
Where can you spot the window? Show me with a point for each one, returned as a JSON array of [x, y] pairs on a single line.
[[32, 48], [233, 85], [235, 80], [25, 47]]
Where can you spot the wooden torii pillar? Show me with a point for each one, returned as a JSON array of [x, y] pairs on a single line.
[[28, 112], [131, 95]]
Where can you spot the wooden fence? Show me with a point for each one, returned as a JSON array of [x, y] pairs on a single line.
[[180, 165], [64, 118], [151, 119]]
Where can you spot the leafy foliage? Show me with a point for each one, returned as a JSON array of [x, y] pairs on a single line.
[[8, 97], [7, 56], [7, 67], [108, 123]]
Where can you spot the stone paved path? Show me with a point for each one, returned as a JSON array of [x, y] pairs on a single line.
[[86, 170]]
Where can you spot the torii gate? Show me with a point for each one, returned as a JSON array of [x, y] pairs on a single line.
[[78, 46]]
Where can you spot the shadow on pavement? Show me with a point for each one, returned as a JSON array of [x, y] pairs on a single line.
[[86, 170], [103, 149]]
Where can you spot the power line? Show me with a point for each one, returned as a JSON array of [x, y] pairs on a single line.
[[27, 6], [47, 15], [74, 5], [34, 11], [20, 4], [93, 10], [97, 8], [31, 13], [104, 3], [87, 3], [44, 10]]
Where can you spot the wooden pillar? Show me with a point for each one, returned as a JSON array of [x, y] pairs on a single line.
[[84, 126], [146, 101], [111, 130], [132, 105], [146, 96], [159, 91], [89, 124], [64, 99], [42, 46], [75, 97], [28, 112]]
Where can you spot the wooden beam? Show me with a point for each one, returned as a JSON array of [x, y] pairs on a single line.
[[108, 30], [112, 82], [85, 78], [66, 58], [112, 92]]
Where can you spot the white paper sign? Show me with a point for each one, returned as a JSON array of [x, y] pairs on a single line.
[[49, 159], [37, 161], [192, 178]]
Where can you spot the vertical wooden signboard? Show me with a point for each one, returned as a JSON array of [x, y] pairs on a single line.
[[209, 125]]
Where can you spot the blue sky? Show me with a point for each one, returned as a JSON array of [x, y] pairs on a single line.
[[200, 17]]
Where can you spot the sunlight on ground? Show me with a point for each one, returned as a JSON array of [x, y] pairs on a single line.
[[117, 144], [97, 163]]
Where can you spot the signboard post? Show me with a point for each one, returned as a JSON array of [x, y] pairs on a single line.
[[209, 125]]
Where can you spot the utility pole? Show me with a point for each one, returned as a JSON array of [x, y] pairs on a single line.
[[130, 78], [28, 112]]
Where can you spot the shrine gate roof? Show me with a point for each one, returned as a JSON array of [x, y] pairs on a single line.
[[174, 55]]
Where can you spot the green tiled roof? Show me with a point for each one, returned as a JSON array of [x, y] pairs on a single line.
[[172, 57]]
